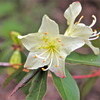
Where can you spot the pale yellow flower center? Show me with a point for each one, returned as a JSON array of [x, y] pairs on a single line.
[[50, 43]]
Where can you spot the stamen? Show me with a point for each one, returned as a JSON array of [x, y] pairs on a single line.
[[57, 51], [58, 40], [57, 61], [44, 61], [94, 38], [56, 66], [80, 19], [46, 58], [93, 22], [35, 56], [93, 35], [45, 33], [98, 33], [60, 57], [42, 53], [95, 31], [50, 62], [43, 69]]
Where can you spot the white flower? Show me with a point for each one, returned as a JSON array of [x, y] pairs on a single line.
[[79, 29], [48, 48]]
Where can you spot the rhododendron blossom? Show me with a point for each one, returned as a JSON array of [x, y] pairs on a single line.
[[80, 30], [48, 48]]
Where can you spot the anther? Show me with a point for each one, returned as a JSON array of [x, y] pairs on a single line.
[[95, 31], [35, 56], [60, 57], [44, 61], [56, 66], [58, 40], [43, 69], [45, 33], [94, 38]]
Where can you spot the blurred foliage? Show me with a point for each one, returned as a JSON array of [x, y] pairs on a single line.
[[22, 16], [6, 8]]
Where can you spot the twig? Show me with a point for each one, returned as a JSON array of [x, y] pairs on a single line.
[[5, 64], [95, 74]]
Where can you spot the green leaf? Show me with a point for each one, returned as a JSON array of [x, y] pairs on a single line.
[[26, 79], [25, 88], [87, 59], [87, 86], [16, 57], [67, 87], [38, 86]]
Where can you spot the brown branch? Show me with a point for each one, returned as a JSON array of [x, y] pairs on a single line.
[[5, 64]]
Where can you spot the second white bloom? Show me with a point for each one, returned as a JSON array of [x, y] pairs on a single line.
[[78, 29]]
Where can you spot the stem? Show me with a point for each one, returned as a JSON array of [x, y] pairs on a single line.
[[6, 64], [95, 74]]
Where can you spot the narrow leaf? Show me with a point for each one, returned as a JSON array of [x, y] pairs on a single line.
[[24, 81], [67, 87], [38, 87], [90, 59]]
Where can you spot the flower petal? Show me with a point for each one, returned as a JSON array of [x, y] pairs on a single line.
[[71, 43], [95, 50], [49, 26], [80, 30], [30, 41], [58, 66], [35, 61], [72, 12]]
